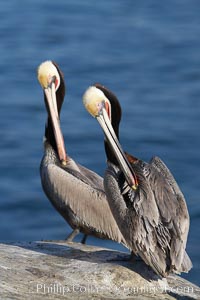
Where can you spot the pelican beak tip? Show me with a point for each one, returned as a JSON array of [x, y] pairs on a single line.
[[134, 187], [63, 162]]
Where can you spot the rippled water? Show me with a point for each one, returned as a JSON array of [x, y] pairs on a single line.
[[147, 52]]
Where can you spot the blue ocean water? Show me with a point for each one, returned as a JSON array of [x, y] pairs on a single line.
[[147, 52]]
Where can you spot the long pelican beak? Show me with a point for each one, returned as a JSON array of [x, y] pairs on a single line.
[[50, 93], [112, 139]]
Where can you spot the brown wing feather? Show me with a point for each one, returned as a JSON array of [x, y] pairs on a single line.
[[72, 192], [154, 227], [174, 221], [184, 219]]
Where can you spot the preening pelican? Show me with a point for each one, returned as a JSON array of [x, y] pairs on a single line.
[[76, 192], [145, 199]]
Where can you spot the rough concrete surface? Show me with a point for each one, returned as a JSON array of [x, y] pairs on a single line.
[[59, 270]]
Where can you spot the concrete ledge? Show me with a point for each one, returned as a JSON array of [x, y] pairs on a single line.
[[59, 270]]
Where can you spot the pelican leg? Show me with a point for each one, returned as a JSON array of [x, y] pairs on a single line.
[[130, 258], [83, 241], [72, 235]]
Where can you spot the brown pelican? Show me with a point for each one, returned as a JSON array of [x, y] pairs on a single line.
[[145, 199], [76, 192]]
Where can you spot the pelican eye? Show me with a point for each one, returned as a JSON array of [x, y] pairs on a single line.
[[100, 106], [53, 79]]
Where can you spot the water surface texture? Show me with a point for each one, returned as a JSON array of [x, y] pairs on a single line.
[[147, 52]]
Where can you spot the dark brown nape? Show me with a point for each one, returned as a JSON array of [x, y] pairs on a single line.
[[60, 94], [115, 120]]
